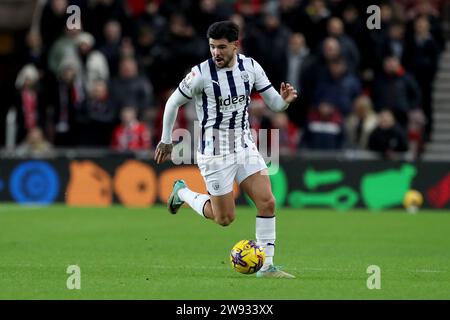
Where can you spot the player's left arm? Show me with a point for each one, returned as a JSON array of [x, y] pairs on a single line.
[[274, 100], [279, 101]]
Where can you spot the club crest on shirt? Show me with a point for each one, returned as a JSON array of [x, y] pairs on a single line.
[[244, 76]]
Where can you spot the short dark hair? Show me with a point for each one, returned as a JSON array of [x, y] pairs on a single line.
[[223, 29]]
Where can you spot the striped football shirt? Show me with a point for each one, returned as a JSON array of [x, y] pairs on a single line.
[[222, 97]]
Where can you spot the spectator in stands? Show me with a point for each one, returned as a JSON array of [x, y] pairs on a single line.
[[93, 64], [416, 136], [360, 123], [273, 35], [249, 9], [131, 134], [150, 44], [354, 25], [289, 134], [412, 7], [183, 48], [298, 55], [422, 62], [377, 36], [100, 116], [64, 48], [69, 98], [111, 46], [349, 50], [394, 43], [317, 15], [315, 67], [169, 8], [127, 49], [35, 51], [424, 8], [152, 17], [324, 130], [206, 12], [331, 49], [150, 55], [131, 88], [243, 32], [388, 137], [53, 21], [134, 8], [293, 15], [28, 103], [97, 14], [338, 86], [395, 89], [387, 16], [146, 43], [35, 145]]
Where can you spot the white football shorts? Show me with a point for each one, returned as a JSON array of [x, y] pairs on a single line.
[[220, 171]]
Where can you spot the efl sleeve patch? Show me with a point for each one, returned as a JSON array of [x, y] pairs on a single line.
[[190, 84]]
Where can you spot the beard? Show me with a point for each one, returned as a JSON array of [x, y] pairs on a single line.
[[223, 62]]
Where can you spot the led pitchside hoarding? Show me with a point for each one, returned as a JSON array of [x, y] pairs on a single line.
[[341, 185]]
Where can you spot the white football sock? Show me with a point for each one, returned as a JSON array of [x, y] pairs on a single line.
[[195, 200], [265, 237]]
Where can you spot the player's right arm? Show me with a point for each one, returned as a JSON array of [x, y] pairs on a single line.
[[188, 88]]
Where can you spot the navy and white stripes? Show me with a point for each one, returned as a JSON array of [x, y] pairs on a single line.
[[222, 102]]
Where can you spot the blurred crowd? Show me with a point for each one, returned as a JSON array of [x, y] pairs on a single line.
[[106, 84]]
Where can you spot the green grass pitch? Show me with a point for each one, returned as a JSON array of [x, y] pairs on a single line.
[[128, 253]]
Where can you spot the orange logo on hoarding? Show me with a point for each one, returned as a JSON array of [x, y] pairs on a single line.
[[89, 185], [135, 184]]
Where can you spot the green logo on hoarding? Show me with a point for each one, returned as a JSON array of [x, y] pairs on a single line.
[[387, 188], [314, 179], [378, 190], [342, 198]]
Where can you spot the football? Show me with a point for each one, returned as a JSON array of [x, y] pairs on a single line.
[[247, 257], [413, 200]]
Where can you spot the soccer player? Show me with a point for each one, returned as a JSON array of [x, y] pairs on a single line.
[[221, 87]]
